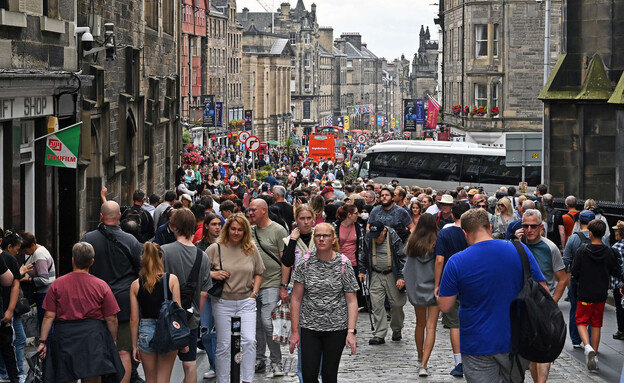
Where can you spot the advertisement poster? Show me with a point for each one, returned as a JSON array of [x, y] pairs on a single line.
[[410, 114], [420, 111], [208, 109], [219, 114], [248, 119]]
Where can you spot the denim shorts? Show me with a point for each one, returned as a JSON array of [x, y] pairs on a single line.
[[146, 333]]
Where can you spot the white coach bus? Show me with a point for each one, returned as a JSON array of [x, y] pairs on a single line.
[[442, 165]]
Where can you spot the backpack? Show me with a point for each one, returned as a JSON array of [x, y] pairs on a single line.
[[172, 331], [551, 214], [344, 261], [538, 330], [575, 218], [162, 219], [584, 239], [188, 288], [339, 174], [132, 214]]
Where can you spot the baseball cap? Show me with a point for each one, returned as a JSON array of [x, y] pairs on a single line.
[[586, 216], [473, 192], [327, 189], [619, 225], [375, 229]]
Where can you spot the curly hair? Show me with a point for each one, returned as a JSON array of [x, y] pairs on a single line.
[[247, 244]]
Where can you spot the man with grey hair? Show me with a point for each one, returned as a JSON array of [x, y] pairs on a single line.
[[550, 262], [369, 197], [515, 225], [117, 262], [569, 218], [279, 194]]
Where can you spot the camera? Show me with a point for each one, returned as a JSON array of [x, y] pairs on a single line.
[[539, 1], [87, 41]]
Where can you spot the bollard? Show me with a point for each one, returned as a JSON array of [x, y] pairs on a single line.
[[236, 355]]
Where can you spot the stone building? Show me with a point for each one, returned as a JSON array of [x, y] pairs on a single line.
[[493, 57], [215, 69], [193, 32], [300, 27], [266, 74], [362, 81], [424, 75], [584, 105], [39, 84], [130, 111]]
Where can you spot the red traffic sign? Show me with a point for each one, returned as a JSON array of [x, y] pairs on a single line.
[[229, 135], [252, 143], [361, 139], [243, 136]]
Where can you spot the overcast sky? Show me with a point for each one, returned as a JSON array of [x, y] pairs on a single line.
[[389, 27]]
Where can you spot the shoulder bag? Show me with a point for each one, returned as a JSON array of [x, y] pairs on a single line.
[[273, 257], [108, 235], [217, 284]]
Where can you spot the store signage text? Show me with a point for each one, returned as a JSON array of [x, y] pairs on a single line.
[[26, 107]]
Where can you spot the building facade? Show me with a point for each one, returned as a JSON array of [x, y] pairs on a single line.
[[266, 73], [424, 75], [39, 87], [493, 58]]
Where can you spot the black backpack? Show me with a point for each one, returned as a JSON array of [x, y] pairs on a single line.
[[188, 288], [162, 219], [172, 331], [132, 214], [538, 330]]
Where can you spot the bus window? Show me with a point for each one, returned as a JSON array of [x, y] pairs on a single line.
[[364, 167], [494, 171], [470, 169], [439, 167]]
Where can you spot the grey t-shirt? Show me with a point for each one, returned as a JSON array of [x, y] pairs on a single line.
[[395, 217], [178, 260], [271, 238], [382, 255], [324, 306]]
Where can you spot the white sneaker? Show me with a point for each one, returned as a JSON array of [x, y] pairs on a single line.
[[210, 374], [596, 361], [590, 357], [422, 371], [277, 368]]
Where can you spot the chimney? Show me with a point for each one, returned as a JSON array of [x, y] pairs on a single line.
[[354, 38], [285, 9], [245, 13], [326, 38], [313, 10]]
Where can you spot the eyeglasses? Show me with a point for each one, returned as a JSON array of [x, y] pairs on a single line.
[[530, 226], [323, 236]]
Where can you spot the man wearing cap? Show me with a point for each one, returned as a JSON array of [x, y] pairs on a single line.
[[444, 216], [328, 194], [572, 245], [391, 215], [617, 296], [471, 194], [549, 260], [383, 260]]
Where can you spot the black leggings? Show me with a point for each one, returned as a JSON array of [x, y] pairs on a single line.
[[321, 344]]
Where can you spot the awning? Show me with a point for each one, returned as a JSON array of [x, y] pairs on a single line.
[[273, 142]]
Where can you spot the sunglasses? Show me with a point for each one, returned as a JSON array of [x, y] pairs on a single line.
[[483, 206], [530, 226], [500, 204]]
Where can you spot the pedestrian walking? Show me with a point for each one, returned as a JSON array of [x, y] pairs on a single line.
[[504, 216], [419, 274], [618, 229], [383, 261], [83, 310], [235, 260], [146, 297], [350, 234], [323, 308], [591, 268]]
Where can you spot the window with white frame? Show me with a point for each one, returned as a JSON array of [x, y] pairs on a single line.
[[293, 38], [480, 95], [306, 59], [306, 83], [349, 63], [495, 41], [306, 38], [494, 94], [481, 40]]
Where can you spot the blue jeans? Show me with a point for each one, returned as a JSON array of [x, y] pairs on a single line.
[[208, 334], [574, 334], [19, 343]]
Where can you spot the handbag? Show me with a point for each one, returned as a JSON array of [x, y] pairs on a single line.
[[217, 284], [280, 318], [172, 331], [22, 306], [35, 370]]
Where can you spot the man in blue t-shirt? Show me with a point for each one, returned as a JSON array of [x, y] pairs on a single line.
[[487, 277], [451, 240]]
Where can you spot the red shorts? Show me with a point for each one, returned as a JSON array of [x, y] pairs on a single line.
[[589, 314]]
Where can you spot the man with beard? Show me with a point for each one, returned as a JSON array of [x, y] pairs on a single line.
[[392, 215]]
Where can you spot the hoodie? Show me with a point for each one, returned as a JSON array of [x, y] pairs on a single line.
[[590, 272], [419, 275]]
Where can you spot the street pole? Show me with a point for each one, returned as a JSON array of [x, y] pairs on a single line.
[[235, 353], [546, 71]]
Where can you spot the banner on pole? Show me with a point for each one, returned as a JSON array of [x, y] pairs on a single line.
[[208, 107], [409, 115], [219, 114], [432, 114], [62, 147]]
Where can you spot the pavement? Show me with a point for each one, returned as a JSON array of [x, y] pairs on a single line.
[[396, 361]]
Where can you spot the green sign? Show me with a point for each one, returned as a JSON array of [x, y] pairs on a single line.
[[62, 147]]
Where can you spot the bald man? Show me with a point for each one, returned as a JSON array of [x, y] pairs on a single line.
[[117, 261], [268, 237]]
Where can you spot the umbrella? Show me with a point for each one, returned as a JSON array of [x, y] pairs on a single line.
[[273, 142], [367, 131], [356, 131]]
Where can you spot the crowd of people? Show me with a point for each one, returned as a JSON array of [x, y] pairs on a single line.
[[309, 234]]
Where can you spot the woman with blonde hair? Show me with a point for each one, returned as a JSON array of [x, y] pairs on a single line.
[[146, 296], [590, 204], [300, 239], [505, 215], [235, 260]]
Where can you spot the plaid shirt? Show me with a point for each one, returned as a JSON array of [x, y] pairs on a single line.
[[619, 251]]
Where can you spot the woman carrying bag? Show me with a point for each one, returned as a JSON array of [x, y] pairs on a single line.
[[235, 260], [146, 296]]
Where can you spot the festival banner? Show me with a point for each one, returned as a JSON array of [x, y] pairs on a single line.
[[420, 111], [219, 114], [432, 115], [208, 106], [62, 147], [409, 115]]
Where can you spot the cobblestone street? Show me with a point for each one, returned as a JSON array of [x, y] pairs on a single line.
[[396, 361]]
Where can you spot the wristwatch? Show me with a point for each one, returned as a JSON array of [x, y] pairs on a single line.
[[353, 330], [255, 294], [284, 285]]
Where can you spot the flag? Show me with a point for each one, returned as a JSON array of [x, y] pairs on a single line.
[[432, 113], [62, 147], [330, 120], [357, 110]]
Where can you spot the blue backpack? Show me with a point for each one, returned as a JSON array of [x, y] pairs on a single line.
[[172, 331]]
